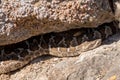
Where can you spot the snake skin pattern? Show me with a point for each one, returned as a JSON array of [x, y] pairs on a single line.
[[62, 44]]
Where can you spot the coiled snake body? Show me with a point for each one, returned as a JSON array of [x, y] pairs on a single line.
[[62, 44]]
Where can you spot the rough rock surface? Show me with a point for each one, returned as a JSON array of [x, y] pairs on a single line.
[[21, 19], [102, 63]]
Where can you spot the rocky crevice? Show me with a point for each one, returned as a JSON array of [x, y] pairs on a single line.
[[20, 20]]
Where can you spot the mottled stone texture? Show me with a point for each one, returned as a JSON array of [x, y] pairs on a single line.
[[21, 19]]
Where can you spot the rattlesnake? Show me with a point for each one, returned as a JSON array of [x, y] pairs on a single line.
[[62, 44]]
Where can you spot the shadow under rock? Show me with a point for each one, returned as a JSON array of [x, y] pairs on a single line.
[[63, 40], [111, 39]]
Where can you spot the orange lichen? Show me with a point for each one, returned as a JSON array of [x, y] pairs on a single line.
[[114, 77]]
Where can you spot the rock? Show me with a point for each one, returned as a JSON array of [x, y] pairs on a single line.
[[21, 19], [101, 63], [117, 11]]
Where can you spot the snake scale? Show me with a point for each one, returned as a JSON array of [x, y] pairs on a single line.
[[62, 44]]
